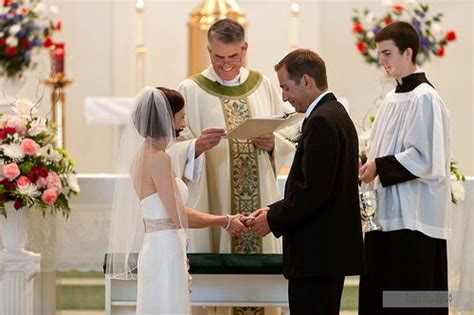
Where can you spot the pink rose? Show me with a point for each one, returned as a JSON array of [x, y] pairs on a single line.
[[29, 147], [11, 171], [49, 196], [54, 182], [23, 181], [41, 182]]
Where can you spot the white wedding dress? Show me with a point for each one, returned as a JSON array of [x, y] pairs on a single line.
[[163, 286]]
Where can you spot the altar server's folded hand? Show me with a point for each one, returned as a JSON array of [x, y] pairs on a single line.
[[208, 139], [368, 171], [260, 223], [265, 142]]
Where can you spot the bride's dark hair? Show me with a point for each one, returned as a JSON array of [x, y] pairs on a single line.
[[146, 116], [175, 99]]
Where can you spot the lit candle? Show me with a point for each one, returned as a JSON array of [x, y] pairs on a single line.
[[59, 52], [140, 6], [294, 31]]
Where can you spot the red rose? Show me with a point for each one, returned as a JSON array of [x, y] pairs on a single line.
[[3, 41], [18, 204], [48, 42], [450, 36], [24, 43], [397, 8], [361, 47], [58, 26], [24, 10], [3, 134], [9, 130], [6, 2], [8, 184], [356, 28], [11, 51], [440, 52], [37, 172], [387, 20], [3, 197], [43, 172]]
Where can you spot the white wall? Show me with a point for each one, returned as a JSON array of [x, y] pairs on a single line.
[[100, 43]]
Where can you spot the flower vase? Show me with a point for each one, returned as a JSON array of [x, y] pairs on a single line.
[[14, 229], [12, 88], [17, 266]]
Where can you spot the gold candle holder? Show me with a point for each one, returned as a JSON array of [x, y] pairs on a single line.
[[201, 19], [58, 82]]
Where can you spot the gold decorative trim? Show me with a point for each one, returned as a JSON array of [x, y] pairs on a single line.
[[245, 188]]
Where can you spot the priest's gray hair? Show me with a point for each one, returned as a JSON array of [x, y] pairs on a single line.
[[227, 31]]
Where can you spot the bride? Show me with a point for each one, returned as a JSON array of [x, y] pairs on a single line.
[[149, 214]]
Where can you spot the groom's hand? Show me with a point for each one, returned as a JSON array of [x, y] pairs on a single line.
[[260, 223]]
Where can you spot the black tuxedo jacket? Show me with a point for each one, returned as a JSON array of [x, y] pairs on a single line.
[[319, 216]]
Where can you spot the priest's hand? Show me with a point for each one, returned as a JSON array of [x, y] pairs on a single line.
[[368, 171], [208, 139], [260, 223], [265, 142]]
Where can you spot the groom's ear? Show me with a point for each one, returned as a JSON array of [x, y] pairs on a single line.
[[308, 81]]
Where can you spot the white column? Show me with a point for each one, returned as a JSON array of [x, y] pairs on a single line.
[[17, 270]]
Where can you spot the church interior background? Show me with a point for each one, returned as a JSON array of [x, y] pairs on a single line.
[[101, 37]]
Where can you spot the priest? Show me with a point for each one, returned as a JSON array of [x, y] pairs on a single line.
[[238, 175], [408, 165]]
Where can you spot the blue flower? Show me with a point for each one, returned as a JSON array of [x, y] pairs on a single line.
[[18, 18], [21, 33], [36, 42], [416, 24], [425, 42]]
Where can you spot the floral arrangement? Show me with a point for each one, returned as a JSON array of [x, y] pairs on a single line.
[[433, 39], [457, 189], [32, 172], [25, 27]]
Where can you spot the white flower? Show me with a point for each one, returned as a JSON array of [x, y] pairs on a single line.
[[436, 29], [38, 126], [457, 189], [54, 9], [370, 34], [72, 183], [14, 29], [53, 154], [40, 8], [12, 151], [12, 41], [364, 136], [29, 190], [24, 108]]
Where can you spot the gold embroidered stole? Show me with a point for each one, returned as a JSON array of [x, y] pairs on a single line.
[[245, 188]]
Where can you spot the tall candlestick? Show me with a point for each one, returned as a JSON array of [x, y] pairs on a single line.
[[294, 27], [140, 49], [140, 8]]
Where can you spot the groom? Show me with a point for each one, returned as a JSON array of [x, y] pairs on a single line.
[[319, 216]]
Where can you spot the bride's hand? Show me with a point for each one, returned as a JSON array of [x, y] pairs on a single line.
[[235, 225]]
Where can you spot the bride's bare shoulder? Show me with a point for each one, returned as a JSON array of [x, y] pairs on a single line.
[[158, 160]]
